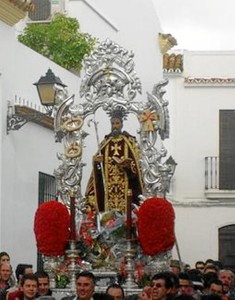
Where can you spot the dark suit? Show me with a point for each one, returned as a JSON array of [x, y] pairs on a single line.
[[96, 296]]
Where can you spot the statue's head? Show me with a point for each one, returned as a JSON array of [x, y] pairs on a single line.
[[117, 117]]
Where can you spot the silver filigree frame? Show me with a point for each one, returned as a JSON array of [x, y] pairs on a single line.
[[110, 82]]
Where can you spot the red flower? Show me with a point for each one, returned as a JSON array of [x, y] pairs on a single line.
[[156, 226], [110, 223], [140, 271], [51, 228]]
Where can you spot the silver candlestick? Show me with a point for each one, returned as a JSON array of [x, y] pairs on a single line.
[[130, 253], [72, 253]]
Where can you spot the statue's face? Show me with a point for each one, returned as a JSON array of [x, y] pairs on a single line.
[[116, 125]]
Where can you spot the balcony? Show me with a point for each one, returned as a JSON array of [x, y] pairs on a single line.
[[212, 184]]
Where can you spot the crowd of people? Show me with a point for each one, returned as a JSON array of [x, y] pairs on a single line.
[[206, 281], [25, 284]]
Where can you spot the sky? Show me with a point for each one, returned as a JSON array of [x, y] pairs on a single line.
[[198, 24]]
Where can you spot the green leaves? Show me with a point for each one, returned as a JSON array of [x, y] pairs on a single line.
[[60, 40]]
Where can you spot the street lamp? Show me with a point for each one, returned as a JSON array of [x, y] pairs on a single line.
[[46, 90], [167, 170], [22, 113], [172, 165]]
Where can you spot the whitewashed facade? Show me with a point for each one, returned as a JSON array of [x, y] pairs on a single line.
[[196, 96], [24, 152]]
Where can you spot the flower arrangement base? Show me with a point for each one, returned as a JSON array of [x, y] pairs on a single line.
[[158, 263], [51, 264], [104, 278]]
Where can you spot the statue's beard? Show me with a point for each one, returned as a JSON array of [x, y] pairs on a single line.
[[116, 132]]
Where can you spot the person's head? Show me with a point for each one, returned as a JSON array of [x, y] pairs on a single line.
[[161, 284], [218, 265], [210, 268], [200, 265], [116, 291], [23, 269], [208, 277], [197, 279], [175, 282], [209, 261], [85, 284], [5, 271], [29, 286], [215, 286], [187, 267], [185, 284], [43, 283], [4, 257], [175, 266], [227, 277]]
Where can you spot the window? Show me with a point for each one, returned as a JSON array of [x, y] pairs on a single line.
[[227, 150], [46, 192], [227, 246]]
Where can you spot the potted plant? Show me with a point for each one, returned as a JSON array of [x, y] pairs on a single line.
[[60, 40]]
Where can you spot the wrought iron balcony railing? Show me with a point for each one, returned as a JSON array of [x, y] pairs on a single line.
[[211, 172], [214, 189]]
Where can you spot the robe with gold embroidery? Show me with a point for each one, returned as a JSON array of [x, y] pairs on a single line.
[[112, 192]]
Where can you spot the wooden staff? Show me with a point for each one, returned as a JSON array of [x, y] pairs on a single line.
[[99, 151]]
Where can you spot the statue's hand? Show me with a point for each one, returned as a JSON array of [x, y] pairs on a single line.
[[125, 163], [99, 158]]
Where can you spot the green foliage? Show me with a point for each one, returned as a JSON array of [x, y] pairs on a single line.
[[60, 40], [144, 281], [61, 281]]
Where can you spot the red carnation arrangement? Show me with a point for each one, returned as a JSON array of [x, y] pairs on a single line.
[[51, 228], [156, 226]]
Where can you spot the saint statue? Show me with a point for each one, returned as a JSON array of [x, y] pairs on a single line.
[[116, 170]]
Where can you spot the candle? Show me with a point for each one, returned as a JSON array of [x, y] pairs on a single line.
[[98, 222], [72, 218], [129, 216]]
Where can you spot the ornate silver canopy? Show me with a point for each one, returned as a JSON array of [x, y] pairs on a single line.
[[110, 82]]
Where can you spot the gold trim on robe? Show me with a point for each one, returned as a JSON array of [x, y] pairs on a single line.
[[117, 180]]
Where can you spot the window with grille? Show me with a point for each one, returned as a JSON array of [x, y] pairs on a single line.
[[46, 192], [47, 188]]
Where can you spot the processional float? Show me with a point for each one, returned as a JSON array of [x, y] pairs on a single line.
[[110, 82]]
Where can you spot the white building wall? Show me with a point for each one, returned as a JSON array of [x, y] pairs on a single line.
[[197, 231], [24, 152], [194, 112]]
